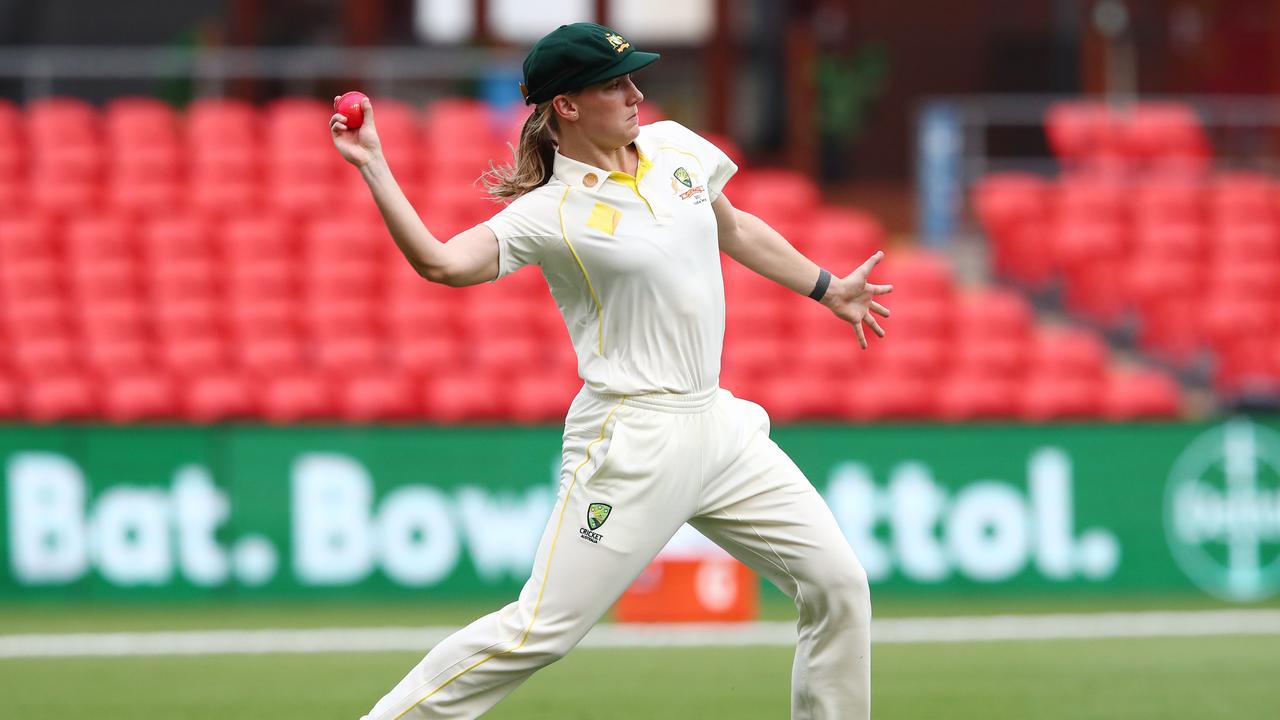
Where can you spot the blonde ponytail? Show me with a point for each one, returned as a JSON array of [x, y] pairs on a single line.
[[533, 159]]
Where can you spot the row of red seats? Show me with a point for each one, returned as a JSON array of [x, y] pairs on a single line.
[[1195, 265], [143, 140], [457, 395], [1094, 133]]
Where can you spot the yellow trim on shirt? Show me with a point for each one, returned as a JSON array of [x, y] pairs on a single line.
[[545, 573], [643, 165], [564, 233]]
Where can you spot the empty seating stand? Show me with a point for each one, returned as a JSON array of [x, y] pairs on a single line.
[[1140, 232], [221, 263]]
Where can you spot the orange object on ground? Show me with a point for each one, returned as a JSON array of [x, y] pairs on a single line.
[[712, 589]]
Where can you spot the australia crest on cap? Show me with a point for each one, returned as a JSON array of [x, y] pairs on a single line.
[[617, 42]]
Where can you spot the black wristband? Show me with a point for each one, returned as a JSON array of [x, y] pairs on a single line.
[[824, 279]]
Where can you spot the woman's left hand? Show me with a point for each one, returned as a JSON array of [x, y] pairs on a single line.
[[851, 298]]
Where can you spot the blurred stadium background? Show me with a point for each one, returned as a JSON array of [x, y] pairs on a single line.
[[254, 465]]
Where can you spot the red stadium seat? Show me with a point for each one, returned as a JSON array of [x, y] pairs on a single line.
[[377, 396], [297, 396], [176, 237], [978, 394], [182, 280], [1166, 134], [1141, 394], [347, 354], [1242, 196], [790, 397], [261, 318], [755, 355], [1245, 242], [323, 317], [916, 315], [144, 395], [10, 398], [920, 275], [270, 355], [1086, 242], [1097, 291], [1004, 202], [51, 353], [1246, 366], [1172, 330], [1068, 354], [891, 395], [194, 354], [978, 353], [117, 355], [1151, 280], [1000, 313], [108, 279], [38, 311], [28, 237], [262, 280], [921, 355], [1174, 240], [114, 318], [216, 197], [143, 198], [1083, 131], [425, 353], [27, 279], [756, 315], [1172, 199], [1055, 396], [542, 397], [841, 239], [60, 396], [1090, 197], [776, 196], [98, 237], [461, 396], [257, 237], [216, 397], [179, 318]]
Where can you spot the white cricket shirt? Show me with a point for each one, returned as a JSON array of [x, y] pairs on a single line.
[[632, 262]]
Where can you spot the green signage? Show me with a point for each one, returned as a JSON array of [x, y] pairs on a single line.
[[268, 511]]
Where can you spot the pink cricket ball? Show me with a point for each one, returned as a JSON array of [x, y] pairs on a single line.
[[349, 105]]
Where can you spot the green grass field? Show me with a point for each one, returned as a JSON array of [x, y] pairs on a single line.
[[1232, 677]]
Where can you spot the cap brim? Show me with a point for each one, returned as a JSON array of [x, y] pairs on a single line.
[[629, 64]]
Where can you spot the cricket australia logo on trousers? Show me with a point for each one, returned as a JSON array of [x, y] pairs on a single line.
[[597, 513]]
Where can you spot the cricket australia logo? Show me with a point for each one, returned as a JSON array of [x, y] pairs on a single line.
[[1222, 511], [617, 42], [684, 184], [597, 513]]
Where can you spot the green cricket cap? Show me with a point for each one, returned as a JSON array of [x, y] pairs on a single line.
[[572, 57]]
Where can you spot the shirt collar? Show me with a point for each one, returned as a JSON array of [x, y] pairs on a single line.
[[574, 173]]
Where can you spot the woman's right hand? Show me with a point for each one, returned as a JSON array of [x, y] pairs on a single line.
[[360, 146]]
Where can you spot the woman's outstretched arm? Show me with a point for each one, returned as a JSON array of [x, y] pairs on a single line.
[[750, 241], [471, 257]]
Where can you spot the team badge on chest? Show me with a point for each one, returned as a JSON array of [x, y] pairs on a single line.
[[686, 186]]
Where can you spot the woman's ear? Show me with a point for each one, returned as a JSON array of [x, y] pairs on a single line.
[[565, 107]]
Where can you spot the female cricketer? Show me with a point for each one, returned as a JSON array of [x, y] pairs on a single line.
[[627, 223]]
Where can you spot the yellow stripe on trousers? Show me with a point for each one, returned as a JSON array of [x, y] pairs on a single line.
[[546, 573]]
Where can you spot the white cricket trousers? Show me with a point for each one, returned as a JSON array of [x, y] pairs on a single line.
[[659, 461]]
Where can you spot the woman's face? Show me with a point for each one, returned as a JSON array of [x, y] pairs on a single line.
[[608, 112]]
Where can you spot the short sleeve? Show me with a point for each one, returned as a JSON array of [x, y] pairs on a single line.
[[715, 163], [523, 230]]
